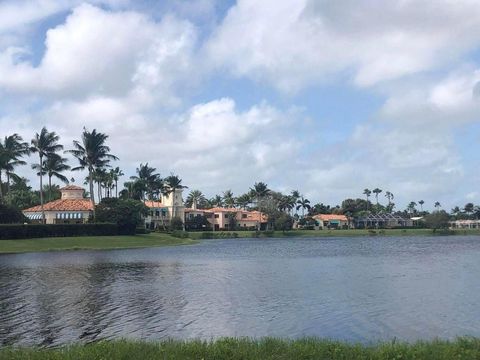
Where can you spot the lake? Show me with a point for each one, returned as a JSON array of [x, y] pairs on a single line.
[[355, 289]]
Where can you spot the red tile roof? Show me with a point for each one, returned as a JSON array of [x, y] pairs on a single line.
[[72, 187], [328, 217], [153, 204], [64, 205]]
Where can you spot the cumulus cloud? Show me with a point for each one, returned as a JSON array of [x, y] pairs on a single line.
[[107, 53], [293, 44]]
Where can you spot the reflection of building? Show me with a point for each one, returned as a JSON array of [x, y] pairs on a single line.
[[162, 212], [71, 208], [332, 221], [221, 218]]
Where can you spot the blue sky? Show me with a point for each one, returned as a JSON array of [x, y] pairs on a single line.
[[327, 97]]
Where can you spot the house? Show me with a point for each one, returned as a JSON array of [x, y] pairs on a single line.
[[71, 208], [382, 221], [332, 221], [162, 212], [220, 218], [464, 224]]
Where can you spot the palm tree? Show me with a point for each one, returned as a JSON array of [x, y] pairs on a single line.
[[367, 193], [148, 179], [53, 165], [116, 174], [45, 144], [377, 191], [92, 153], [195, 199], [295, 196], [468, 208], [421, 202], [411, 207], [12, 149], [389, 197], [244, 200], [437, 205], [259, 192], [303, 204], [229, 199], [173, 183]]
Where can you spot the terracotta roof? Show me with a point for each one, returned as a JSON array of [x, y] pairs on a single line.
[[64, 205], [328, 217], [72, 187], [153, 204], [198, 210]]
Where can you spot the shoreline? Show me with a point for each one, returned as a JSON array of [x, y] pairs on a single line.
[[19, 246], [248, 348]]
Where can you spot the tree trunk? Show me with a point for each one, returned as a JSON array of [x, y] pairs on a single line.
[[116, 188], [92, 195], [1, 191], [41, 190], [49, 187]]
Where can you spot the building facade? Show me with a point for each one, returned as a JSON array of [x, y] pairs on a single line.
[[71, 208], [332, 221], [162, 212]]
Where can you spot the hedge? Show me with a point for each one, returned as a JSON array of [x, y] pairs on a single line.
[[19, 231]]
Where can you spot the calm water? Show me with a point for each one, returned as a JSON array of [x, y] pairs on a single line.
[[366, 289]]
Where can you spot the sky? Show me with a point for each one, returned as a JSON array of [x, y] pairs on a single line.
[[328, 97]]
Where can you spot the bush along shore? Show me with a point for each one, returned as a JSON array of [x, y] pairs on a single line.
[[263, 349]]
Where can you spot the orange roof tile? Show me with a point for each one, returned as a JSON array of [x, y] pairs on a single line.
[[153, 204], [328, 217], [64, 205], [72, 187]]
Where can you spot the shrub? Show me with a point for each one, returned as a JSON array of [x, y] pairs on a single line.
[[56, 230], [176, 224], [127, 214], [11, 215]]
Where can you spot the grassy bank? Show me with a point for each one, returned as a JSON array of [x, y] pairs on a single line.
[[328, 233], [236, 349], [91, 243]]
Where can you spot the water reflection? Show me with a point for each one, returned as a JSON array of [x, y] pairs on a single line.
[[365, 289]]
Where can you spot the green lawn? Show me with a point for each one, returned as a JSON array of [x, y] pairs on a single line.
[[91, 242], [264, 349]]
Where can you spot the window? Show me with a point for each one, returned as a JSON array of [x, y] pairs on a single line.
[[226, 216], [157, 212], [244, 216], [216, 216], [164, 212]]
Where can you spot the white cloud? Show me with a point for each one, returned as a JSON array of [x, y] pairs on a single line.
[[107, 53], [293, 44]]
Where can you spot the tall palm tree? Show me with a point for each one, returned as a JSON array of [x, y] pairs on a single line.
[[295, 196], [195, 199], [367, 193], [53, 165], [303, 204], [376, 191], [44, 143], [12, 149], [437, 205], [173, 183], [92, 153], [216, 201], [228, 199], [389, 197], [148, 179], [117, 173], [259, 192], [421, 202], [244, 200], [411, 207]]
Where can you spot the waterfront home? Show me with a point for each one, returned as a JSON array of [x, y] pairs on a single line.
[[162, 212], [220, 218], [331, 221], [464, 224], [71, 208], [382, 221]]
